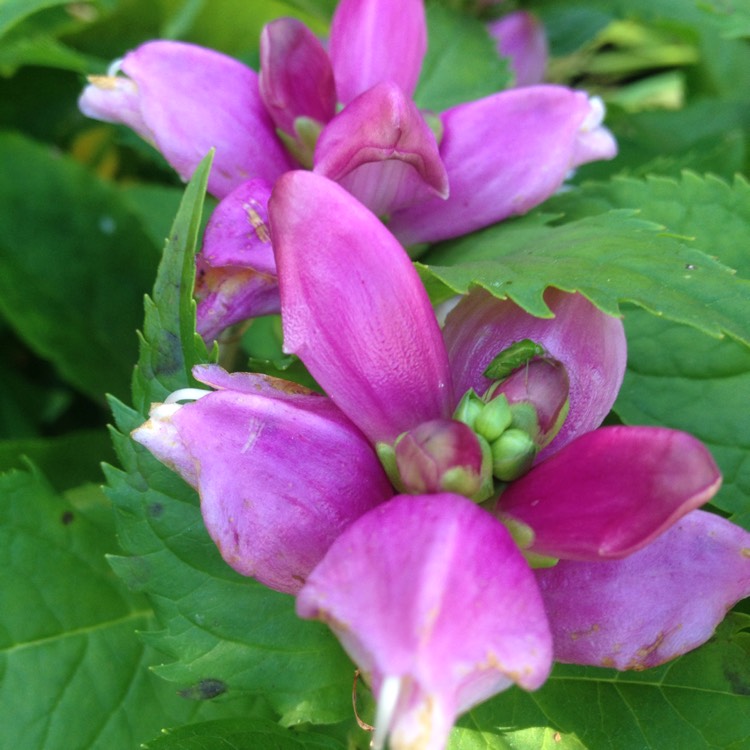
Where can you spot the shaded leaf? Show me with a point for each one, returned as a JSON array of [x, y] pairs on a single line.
[[69, 460], [74, 264]]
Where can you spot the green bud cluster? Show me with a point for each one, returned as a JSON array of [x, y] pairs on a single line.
[[508, 431]]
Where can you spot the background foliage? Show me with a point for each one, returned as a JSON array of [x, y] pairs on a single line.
[[102, 651]]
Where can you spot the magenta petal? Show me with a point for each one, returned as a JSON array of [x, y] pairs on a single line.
[[654, 605], [296, 77], [590, 345], [381, 150], [521, 37], [374, 41], [279, 478], [612, 491], [187, 100], [504, 155], [236, 270], [430, 591], [354, 309]]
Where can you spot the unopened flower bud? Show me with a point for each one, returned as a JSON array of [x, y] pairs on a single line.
[[512, 455], [442, 455], [494, 418], [469, 408], [542, 387]]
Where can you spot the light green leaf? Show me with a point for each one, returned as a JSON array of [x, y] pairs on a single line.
[[610, 258], [697, 702], [74, 673], [12, 12], [74, 265], [241, 734], [733, 19], [461, 64], [226, 634]]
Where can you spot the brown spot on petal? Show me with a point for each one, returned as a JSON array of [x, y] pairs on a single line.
[[745, 552], [608, 661], [261, 230], [576, 634]]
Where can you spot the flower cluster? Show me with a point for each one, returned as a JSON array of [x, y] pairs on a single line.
[[454, 579], [452, 507], [347, 113]]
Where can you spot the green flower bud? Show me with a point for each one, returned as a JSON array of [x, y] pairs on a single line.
[[494, 418], [469, 408], [512, 455]]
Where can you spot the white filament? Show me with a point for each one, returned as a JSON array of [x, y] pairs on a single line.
[[388, 697], [186, 394]]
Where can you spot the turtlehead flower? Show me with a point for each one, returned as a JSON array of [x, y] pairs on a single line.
[[583, 506], [520, 532], [347, 114]]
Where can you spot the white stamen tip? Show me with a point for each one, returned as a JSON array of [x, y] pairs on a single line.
[[388, 697], [595, 115], [115, 67], [186, 394]]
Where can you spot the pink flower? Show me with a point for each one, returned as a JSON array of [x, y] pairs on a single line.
[[432, 177], [441, 602]]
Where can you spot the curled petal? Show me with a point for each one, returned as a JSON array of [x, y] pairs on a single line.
[[354, 309], [521, 37], [373, 41], [296, 77], [381, 150], [187, 100], [504, 155], [654, 605], [430, 594], [612, 491], [236, 270], [279, 476], [590, 345]]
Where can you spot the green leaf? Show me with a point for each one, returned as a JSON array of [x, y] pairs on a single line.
[[733, 19], [715, 214], [68, 460], [610, 258], [677, 377], [461, 64], [227, 634], [697, 702], [74, 265], [169, 345], [40, 50], [241, 734], [12, 12], [74, 674]]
